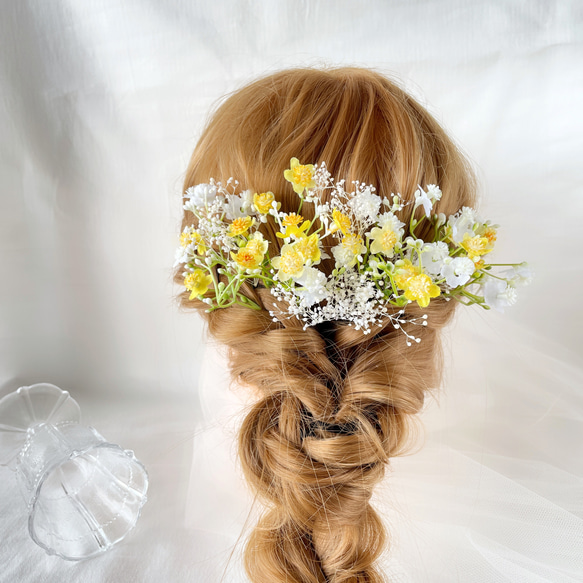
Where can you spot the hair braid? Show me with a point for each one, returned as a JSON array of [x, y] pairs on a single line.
[[333, 404]]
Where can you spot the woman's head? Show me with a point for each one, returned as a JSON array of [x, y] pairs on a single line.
[[334, 404]]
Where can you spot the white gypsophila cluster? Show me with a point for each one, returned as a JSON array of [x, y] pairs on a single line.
[[376, 265]]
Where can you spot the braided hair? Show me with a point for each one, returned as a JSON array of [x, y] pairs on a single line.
[[334, 405]]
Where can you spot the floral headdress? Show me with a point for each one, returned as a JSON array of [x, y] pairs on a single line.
[[374, 266]]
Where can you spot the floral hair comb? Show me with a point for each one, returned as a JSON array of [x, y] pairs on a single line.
[[374, 266]]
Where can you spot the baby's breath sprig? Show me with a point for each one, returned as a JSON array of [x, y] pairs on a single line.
[[375, 265]]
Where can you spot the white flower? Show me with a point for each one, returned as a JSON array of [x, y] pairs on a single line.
[[519, 275], [426, 199], [365, 205], [457, 270], [433, 192], [201, 194], [314, 290], [498, 294], [463, 223], [233, 206], [390, 220], [343, 256], [180, 256], [433, 256], [246, 200]]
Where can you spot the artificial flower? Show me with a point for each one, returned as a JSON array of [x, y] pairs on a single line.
[[421, 289], [309, 247], [519, 275], [461, 223], [240, 226], [475, 246], [427, 198], [488, 231], [498, 294], [300, 175], [365, 205], [191, 236], [341, 221], [201, 194], [251, 255], [405, 271], [262, 202], [433, 255], [383, 240], [238, 205], [457, 270], [197, 282], [313, 289], [349, 251], [291, 222], [290, 264]]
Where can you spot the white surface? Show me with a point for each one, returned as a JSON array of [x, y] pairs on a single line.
[[100, 106]]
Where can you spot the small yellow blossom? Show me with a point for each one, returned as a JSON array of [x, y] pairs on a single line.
[[289, 264], [189, 237], [239, 226], [489, 232], [346, 254], [309, 247], [383, 240], [354, 243], [341, 221], [197, 282], [291, 222], [251, 256], [475, 246], [301, 176], [405, 271], [421, 289], [263, 202]]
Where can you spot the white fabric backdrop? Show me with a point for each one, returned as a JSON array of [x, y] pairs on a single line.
[[100, 106]]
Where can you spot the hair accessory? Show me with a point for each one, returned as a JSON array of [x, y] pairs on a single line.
[[374, 266]]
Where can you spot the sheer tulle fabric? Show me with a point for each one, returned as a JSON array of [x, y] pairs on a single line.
[[491, 494]]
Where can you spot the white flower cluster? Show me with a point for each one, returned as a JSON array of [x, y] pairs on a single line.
[[376, 266]]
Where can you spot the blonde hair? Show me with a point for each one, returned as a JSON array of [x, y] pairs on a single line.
[[334, 405]]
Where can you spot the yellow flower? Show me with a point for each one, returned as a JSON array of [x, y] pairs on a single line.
[[197, 283], [251, 256], [417, 285], [239, 226], [309, 247], [489, 232], [301, 176], [383, 240], [476, 246], [346, 254], [341, 221], [289, 264], [291, 222], [263, 202], [421, 289], [354, 243], [405, 271], [188, 237]]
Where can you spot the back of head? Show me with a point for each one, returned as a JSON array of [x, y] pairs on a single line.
[[334, 403]]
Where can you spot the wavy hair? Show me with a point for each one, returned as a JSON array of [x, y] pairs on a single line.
[[333, 404]]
